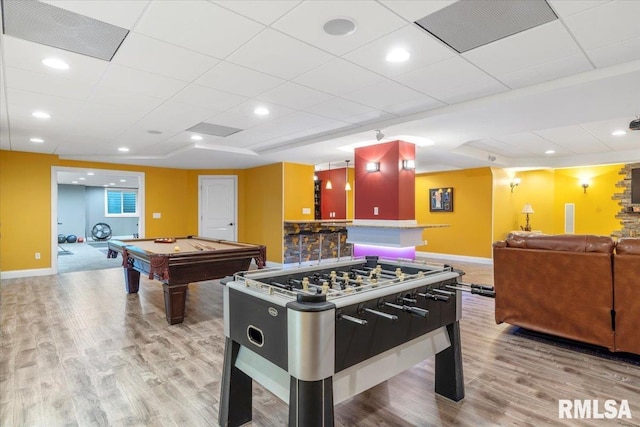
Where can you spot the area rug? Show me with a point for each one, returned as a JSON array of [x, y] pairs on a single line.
[[577, 346]]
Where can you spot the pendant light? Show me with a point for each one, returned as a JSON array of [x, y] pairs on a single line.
[[347, 186], [329, 186]]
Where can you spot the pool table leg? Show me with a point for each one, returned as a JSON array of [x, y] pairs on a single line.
[[131, 279], [175, 298]]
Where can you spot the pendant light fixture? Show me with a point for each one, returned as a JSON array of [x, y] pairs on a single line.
[[329, 186], [347, 186]]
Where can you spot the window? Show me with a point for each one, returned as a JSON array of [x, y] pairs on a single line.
[[120, 202]]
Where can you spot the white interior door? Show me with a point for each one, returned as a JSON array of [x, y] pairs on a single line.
[[218, 207]]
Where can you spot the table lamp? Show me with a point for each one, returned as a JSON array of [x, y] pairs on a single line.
[[527, 209]]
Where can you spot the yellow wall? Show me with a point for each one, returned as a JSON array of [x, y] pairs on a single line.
[[264, 208], [25, 210], [595, 210], [351, 194], [536, 188], [25, 204], [298, 192], [470, 222]]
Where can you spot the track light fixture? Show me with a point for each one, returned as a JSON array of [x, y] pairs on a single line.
[[379, 135]]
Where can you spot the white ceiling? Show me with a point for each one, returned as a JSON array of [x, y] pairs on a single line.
[[565, 85]]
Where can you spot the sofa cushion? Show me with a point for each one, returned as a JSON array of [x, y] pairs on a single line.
[[628, 246], [563, 242]]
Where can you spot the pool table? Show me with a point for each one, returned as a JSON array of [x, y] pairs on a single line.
[[176, 262]]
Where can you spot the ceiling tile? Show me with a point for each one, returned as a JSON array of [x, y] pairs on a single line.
[[121, 13], [412, 10], [247, 109], [616, 53], [451, 80], [552, 70], [533, 47], [172, 117], [294, 96], [340, 109], [384, 94], [154, 56], [306, 21], [565, 8], [140, 82], [338, 77], [609, 23], [197, 25], [239, 80], [528, 141], [212, 99], [116, 97], [28, 56], [265, 12], [423, 48], [277, 54], [47, 84], [574, 139]]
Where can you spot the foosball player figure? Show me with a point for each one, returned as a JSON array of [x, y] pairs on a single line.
[[305, 284]]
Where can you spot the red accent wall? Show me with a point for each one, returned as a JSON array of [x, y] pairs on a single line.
[[392, 189], [334, 200]]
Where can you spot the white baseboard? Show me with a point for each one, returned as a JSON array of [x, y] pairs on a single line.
[[16, 274], [461, 258]]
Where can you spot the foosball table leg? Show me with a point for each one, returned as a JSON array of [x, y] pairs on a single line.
[[236, 399], [449, 377], [311, 403]]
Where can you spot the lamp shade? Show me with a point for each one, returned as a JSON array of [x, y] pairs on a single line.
[[527, 209]]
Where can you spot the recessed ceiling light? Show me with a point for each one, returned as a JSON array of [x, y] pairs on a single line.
[[56, 63], [90, 173], [618, 132], [41, 115], [261, 111], [339, 27], [123, 149], [105, 185], [82, 178], [74, 182], [112, 183], [123, 180], [196, 137], [550, 152], [398, 55], [36, 140], [154, 132]]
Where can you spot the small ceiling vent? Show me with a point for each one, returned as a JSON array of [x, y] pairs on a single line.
[[468, 24], [52, 26], [212, 129]]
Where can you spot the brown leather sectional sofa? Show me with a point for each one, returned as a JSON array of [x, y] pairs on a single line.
[[581, 287]]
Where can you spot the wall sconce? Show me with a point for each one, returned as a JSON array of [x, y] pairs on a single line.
[[408, 164], [514, 183], [372, 166], [584, 184]]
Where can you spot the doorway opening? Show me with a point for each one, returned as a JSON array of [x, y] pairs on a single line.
[[90, 206]]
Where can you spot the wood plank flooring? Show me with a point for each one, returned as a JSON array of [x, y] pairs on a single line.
[[78, 351]]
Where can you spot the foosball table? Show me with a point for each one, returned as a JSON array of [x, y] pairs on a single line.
[[317, 336]]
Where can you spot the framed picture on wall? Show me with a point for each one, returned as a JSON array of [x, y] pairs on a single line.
[[441, 199]]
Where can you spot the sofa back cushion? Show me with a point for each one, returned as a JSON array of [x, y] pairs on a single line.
[[564, 242]]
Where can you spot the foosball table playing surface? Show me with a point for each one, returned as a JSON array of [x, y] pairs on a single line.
[[317, 336]]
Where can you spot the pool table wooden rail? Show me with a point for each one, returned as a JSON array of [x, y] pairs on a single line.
[[177, 269]]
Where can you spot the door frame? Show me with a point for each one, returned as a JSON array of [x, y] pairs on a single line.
[[54, 203], [201, 178]]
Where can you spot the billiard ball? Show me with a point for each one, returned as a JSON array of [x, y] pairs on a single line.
[[177, 248]]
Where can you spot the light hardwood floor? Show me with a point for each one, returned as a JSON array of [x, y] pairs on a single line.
[[77, 350]]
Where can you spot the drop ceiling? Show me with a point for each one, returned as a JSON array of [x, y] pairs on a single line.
[[564, 85]]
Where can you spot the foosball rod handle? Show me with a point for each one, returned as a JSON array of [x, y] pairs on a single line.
[[361, 322]]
